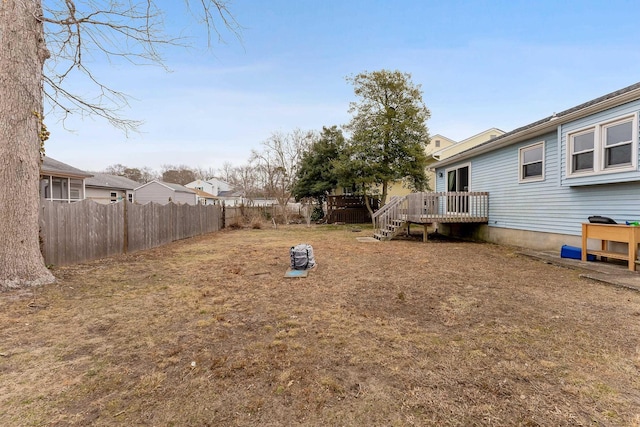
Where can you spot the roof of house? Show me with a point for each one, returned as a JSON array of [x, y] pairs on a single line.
[[175, 187], [57, 168], [104, 180], [549, 123], [203, 194], [230, 193], [215, 180]]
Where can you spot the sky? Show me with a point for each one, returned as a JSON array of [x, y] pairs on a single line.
[[480, 64]]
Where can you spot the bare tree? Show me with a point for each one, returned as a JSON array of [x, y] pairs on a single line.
[[204, 174], [130, 31], [278, 162], [141, 175], [246, 180], [226, 172], [65, 31]]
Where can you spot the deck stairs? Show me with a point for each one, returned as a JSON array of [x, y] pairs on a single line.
[[389, 220], [391, 230]]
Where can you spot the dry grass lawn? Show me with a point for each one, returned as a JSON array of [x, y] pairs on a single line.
[[208, 332]]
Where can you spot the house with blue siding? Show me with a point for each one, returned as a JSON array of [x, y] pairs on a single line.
[[545, 179]]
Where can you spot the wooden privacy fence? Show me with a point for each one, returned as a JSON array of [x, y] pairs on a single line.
[[349, 209], [76, 232]]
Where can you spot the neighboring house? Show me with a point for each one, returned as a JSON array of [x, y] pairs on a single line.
[[215, 190], [204, 198], [546, 178], [465, 144], [164, 192], [212, 186], [61, 182], [233, 198], [105, 188], [437, 143]]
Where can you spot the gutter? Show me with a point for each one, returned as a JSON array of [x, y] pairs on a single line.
[[545, 125]]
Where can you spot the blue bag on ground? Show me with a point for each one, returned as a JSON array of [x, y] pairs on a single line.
[[302, 257]]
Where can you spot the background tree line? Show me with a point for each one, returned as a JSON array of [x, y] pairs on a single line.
[[384, 144]]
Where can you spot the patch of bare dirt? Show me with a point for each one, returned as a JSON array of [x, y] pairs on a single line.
[[208, 331]]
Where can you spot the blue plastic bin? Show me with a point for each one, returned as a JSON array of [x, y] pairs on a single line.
[[574, 253]]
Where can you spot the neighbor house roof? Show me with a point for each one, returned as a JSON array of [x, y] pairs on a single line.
[[203, 194], [549, 124], [230, 193], [57, 168], [104, 180], [175, 187]]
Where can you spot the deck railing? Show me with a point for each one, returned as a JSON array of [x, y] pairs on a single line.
[[394, 210], [443, 207], [446, 207]]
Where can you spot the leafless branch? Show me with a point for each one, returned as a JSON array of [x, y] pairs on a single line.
[[79, 31]]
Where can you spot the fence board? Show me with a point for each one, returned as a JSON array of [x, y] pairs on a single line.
[[86, 230]]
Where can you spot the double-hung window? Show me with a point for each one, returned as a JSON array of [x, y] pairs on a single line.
[[582, 151], [603, 148], [532, 162], [618, 141]]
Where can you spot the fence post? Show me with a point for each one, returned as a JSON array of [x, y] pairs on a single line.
[[224, 215], [125, 230]]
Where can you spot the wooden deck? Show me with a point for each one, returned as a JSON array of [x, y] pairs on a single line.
[[429, 208], [446, 207]]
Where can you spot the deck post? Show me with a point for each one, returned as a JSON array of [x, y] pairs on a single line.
[[425, 235]]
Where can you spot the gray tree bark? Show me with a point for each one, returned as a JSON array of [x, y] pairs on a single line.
[[22, 55]]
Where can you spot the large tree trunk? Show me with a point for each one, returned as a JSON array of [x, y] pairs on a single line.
[[22, 56]]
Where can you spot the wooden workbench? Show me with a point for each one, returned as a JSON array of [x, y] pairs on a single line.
[[611, 233]]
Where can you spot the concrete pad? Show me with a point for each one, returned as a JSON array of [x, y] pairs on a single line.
[[611, 273]]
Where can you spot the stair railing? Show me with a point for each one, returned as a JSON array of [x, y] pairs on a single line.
[[394, 210]]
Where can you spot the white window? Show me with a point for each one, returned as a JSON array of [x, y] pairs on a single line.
[[618, 141], [532, 162], [604, 148]]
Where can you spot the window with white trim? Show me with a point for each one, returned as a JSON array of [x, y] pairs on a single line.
[[532, 162], [618, 140], [603, 148]]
